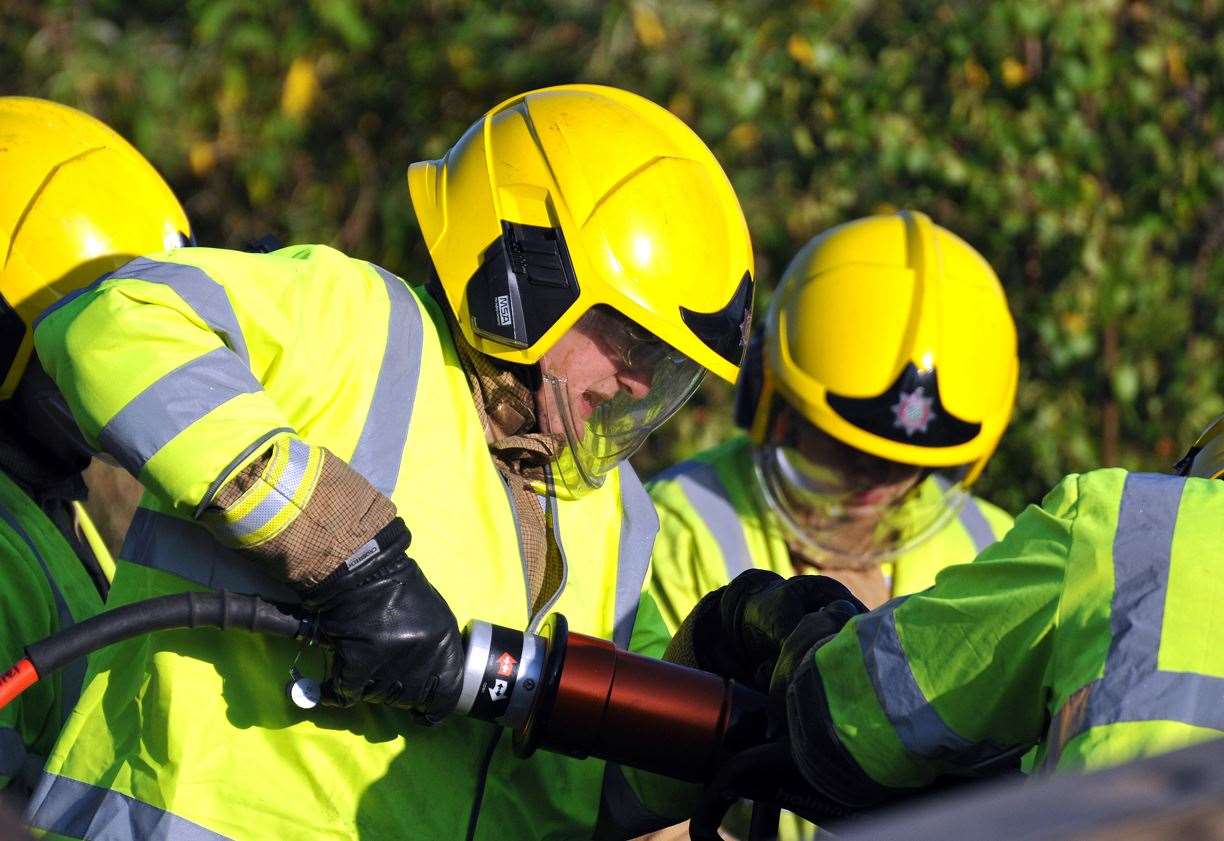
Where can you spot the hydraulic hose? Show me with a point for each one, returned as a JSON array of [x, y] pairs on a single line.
[[560, 691], [222, 610]]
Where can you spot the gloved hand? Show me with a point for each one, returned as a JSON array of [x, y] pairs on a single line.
[[738, 630], [393, 638], [813, 631]]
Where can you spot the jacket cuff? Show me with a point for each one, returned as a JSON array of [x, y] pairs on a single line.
[[298, 510]]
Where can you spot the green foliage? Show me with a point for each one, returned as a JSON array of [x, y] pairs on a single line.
[[1077, 143]]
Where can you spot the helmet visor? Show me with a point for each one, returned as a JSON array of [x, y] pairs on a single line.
[[609, 384], [850, 509]]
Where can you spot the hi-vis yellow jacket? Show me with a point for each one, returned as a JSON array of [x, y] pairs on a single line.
[[183, 366], [715, 523], [1089, 631]]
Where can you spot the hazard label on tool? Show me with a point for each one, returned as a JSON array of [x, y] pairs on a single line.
[[505, 664], [498, 690], [500, 674]]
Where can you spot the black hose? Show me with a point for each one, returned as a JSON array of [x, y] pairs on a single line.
[[181, 610]]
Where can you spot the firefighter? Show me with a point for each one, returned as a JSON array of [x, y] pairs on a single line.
[[1086, 633], [78, 201], [304, 420], [872, 400]]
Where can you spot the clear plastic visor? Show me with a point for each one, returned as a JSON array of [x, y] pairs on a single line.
[[848, 508], [608, 384]]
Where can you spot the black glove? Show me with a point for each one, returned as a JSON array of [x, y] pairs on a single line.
[[738, 630], [393, 638], [813, 631]]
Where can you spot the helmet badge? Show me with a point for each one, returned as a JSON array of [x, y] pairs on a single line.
[[913, 412]]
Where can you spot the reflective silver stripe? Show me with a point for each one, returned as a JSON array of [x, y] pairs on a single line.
[[79, 810], [223, 476], [68, 299], [280, 496], [72, 676], [639, 525], [158, 414], [1132, 687], [919, 727], [205, 296], [381, 445], [972, 520], [12, 752], [708, 496], [975, 523], [186, 549]]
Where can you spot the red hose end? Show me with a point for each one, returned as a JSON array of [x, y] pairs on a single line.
[[16, 680]]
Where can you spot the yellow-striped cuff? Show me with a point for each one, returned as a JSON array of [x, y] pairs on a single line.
[[274, 500]]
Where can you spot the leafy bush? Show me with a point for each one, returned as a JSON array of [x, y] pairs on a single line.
[[1077, 143]]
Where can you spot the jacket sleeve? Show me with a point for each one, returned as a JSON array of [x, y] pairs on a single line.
[[190, 368], [156, 369], [950, 680]]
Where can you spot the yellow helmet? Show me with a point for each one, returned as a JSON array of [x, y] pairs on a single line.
[[892, 335], [78, 201], [888, 355], [1205, 458], [576, 196]]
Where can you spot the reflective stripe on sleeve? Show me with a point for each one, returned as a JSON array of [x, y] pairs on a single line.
[[69, 807], [639, 525], [205, 296], [919, 727], [12, 752], [157, 415], [706, 493], [278, 497], [381, 445], [186, 549], [1132, 687]]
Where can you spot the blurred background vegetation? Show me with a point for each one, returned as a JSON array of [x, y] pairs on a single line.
[[1079, 144]]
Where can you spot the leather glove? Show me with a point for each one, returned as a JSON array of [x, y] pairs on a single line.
[[393, 638], [738, 630], [813, 631]]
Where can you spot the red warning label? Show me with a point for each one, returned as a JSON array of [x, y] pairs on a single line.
[[506, 664]]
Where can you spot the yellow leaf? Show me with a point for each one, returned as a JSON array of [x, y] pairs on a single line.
[[647, 26], [300, 89], [745, 136], [800, 49], [1014, 73], [201, 157], [1178, 74], [976, 75], [1074, 323]]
